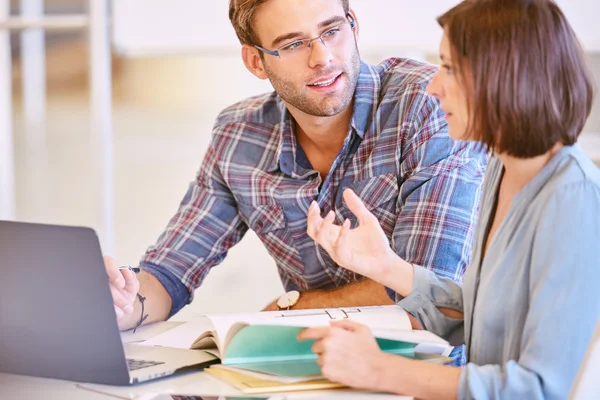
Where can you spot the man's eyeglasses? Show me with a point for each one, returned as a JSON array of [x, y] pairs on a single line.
[[299, 49]]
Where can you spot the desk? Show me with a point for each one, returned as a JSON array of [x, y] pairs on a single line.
[[24, 387], [191, 383], [29, 388]]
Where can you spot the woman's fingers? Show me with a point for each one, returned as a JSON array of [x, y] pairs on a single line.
[[313, 333]]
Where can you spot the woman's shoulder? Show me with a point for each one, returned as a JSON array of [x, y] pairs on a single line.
[[574, 173], [571, 194]]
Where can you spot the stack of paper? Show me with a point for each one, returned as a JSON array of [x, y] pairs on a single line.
[[260, 352]]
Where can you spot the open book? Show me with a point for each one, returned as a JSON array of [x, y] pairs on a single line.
[[266, 342]]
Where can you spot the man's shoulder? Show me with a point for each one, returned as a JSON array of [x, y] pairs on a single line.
[[263, 109], [403, 93], [249, 131], [398, 74]]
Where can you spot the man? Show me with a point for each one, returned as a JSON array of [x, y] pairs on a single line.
[[333, 122]]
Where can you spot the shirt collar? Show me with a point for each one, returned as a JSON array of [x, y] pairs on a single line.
[[366, 99], [288, 142]]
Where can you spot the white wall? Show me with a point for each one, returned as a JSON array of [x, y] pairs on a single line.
[[150, 27]]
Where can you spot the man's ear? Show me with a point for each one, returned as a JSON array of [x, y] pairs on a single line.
[[253, 61], [356, 25]]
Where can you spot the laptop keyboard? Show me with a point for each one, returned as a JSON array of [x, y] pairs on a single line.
[[139, 364]]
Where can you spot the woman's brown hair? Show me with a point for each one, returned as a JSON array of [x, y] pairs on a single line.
[[528, 82]]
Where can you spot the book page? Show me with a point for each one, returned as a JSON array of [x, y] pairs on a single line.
[[271, 377], [211, 330], [147, 332], [184, 335], [376, 317], [222, 323], [412, 336], [426, 341]]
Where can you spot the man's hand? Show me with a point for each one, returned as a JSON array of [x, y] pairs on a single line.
[[364, 249], [124, 287]]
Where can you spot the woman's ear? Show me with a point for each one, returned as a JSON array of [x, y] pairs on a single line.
[[253, 61]]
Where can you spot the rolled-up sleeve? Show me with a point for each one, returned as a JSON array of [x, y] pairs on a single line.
[[430, 292]]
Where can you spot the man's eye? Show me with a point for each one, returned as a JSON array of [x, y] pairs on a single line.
[[331, 32], [293, 46]]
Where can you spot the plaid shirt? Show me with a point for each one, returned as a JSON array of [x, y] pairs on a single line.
[[423, 187]]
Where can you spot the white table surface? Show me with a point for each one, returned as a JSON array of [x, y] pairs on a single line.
[[23, 387], [190, 383]]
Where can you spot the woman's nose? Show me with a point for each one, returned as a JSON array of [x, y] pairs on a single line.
[[434, 88]]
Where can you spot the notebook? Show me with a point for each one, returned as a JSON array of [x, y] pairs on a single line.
[[267, 342]]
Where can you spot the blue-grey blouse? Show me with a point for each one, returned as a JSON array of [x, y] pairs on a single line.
[[531, 304]]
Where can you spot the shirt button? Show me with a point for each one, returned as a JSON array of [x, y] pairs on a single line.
[[418, 297], [259, 224]]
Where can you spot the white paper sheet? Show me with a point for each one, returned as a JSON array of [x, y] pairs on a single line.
[[386, 320], [182, 336], [149, 331]]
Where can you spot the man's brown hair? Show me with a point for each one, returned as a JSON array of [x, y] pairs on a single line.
[[241, 15], [528, 83]]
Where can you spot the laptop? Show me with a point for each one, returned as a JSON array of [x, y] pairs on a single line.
[[57, 318], [586, 384]]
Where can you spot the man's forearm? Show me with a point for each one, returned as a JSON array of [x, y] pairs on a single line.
[[157, 304], [362, 293]]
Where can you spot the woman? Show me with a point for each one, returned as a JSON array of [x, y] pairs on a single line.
[[513, 78]]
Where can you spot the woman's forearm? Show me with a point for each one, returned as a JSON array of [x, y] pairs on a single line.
[[422, 380], [397, 274]]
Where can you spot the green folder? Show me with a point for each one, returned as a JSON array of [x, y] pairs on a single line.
[[275, 349]]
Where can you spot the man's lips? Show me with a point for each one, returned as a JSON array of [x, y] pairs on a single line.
[[325, 81]]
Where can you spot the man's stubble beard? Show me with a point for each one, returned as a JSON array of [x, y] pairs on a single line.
[[328, 106]]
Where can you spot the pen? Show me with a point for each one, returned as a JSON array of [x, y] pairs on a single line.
[[129, 267]]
